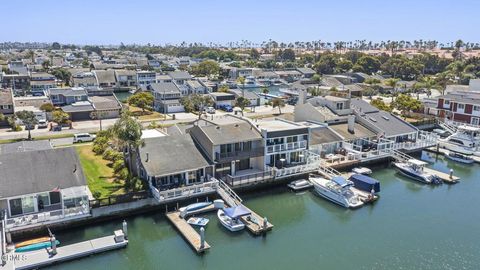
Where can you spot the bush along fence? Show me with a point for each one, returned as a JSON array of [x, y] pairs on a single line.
[[124, 198]]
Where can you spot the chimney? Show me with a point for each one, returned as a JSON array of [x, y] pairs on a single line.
[[351, 124], [302, 97], [147, 157]]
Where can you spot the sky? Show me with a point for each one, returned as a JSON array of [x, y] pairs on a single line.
[[171, 22]]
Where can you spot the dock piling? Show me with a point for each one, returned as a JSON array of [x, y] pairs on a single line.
[[265, 223], [125, 229], [451, 173], [53, 242], [202, 237]]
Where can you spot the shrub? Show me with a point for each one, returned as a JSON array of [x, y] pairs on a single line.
[[118, 166], [99, 149], [123, 174], [96, 194]]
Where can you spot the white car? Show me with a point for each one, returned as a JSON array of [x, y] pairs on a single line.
[[83, 137], [210, 110], [42, 123]]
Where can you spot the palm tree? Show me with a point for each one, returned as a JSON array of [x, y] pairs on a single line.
[[241, 80], [278, 102], [128, 131]]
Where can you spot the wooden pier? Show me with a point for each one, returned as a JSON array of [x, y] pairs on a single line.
[[445, 177], [42, 258], [254, 223], [192, 237]]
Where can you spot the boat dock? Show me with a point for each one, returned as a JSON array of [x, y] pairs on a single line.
[[43, 258], [189, 233], [446, 152], [256, 224]]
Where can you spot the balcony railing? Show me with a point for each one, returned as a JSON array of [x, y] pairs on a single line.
[[286, 147], [229, 156], [257, 177], [184, 192], [47, 217]]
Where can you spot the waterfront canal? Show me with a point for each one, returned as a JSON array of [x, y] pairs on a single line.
[[412, 226]]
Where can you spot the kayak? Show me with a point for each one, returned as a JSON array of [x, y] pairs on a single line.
[[36, 246], [198, 221], [32, 241]]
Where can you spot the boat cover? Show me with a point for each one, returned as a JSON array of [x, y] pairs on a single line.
[[365, 183], [340, 181], [237, 211]]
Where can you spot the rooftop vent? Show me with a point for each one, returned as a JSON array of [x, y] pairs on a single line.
[[386, 118], [372, 119], [217, 127]]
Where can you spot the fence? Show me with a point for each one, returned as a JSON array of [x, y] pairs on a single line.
[[248, 178], [124, 198]]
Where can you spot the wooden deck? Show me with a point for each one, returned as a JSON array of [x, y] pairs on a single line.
[[445, 177], [41, 258], [192, 237], [255, 224]]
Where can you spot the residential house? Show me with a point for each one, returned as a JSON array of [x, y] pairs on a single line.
[[6, 102], [235, 73], [307, 72], [253, 97], [84, 79], [19, 83], [460, 106], [195, 87], [105, 78], [163, 78], [41, 81], [183, 165], [289, 75], [126, 78], [145, 78], [328, 109], [180, 78], [67, 96], [106, 107], [53, 188], [167, 97]]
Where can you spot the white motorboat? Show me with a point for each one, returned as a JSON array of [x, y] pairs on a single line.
[[193, 208], [413, 168], [337, 190], [198, 221], [299, 185], [459, 157], [362, 170], [250, 82], [229, 221], [464, 141]]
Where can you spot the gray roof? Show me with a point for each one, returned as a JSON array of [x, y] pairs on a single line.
[[105, 76], [125, 72], [83, 106], [105, 103], [362, 106], [25, 146], [323, 135], [68, 91], [248, 94], [389, 123], [165, 87], [170, 154], [230, 133], [39, 171], [180, 75], [359, 131], [306, 70]]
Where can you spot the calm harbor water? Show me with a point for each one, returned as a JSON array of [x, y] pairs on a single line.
[[412, 226]]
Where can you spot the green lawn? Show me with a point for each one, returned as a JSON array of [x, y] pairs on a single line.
[[99, 175], [38, 138]]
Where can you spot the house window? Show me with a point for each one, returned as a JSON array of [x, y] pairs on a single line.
[[339, 106], [461, 106], [476, 108], [447, 102], [21, 206]]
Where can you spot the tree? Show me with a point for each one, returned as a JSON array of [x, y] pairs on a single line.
[[242, 103], [56, 46], [368, 64], [31, 55], [29, 120], [60, 117], [392, 83], [265, 90], [129, 132], [2, 117], [405, 103], [63, 75], [47, 107], [206, 68], [316, 78], [12, 121], [343, 65], [223, 88], [142, 100], [46, 64], [278, 102], [196, 103], [326, 64], [241, 80], [380, 104]]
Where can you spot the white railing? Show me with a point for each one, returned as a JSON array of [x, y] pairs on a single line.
[[228, 194], [184, 192], [43, 217], [286, 147]]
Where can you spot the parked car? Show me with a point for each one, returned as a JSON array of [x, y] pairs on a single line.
[[226, 108], [43, 123], [57, 128], [83, 137], [211, 110]]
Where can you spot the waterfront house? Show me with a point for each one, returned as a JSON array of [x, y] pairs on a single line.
[[67, 96], [180, 78], [306, 72], [166, 97], [105, 78], [19, 83], [235, 73], [145, 78], [233, 144], [195, 87], [163, 78], [53, 188], [171, 161], [84, 79], [289, 75], [328, 109], [460, 106], [221, 99], [126, 78], [253, 97]]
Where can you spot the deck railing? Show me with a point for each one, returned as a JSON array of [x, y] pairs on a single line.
[[184, 192], [286, 146], [256, 177]]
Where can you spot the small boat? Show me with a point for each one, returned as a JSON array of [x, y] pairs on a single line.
[[32, 241], [36, 246], [301, 184], [198, 221], [230, 217], [365, 183], [337, 191], [192, 208], [413, 168], [362, 170], [459, 157]]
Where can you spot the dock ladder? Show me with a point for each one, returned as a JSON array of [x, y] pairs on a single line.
[[447, 126], [400, 156], [227, 194], [327, 170]]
